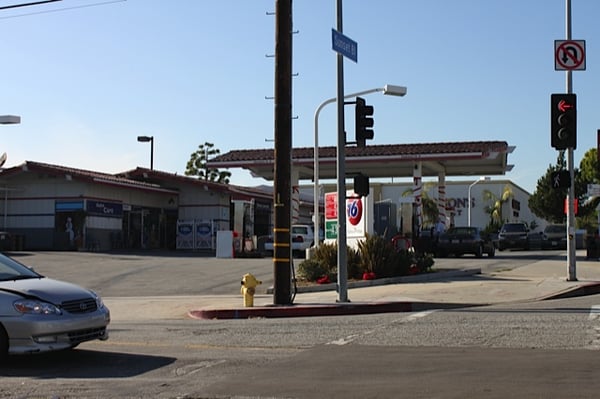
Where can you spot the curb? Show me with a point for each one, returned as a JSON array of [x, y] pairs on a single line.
[[342, 309], [357, 308], [339, 309], [579, 290]]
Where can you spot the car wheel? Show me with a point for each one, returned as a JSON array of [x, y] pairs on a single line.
[[492, 252], [3, 344], [479, 251]]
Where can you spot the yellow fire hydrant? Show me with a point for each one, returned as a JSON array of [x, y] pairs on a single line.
[[249, 283]]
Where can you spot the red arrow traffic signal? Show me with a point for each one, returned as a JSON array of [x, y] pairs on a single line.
[[564, 106], [563, 133]]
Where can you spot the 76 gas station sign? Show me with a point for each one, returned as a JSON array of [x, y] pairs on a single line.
[[356, 214]]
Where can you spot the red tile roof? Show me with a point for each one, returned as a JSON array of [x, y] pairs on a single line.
[[392, 160]]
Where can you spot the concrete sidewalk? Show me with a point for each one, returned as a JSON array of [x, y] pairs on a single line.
[[542, 280]]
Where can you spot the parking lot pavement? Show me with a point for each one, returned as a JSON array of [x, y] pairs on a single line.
[[147, 286]]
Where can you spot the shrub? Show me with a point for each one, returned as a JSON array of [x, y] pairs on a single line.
[[312, 269], [324, 263], [326, 254], [425, 262], [353, 262], [404, 260], [377, 255]]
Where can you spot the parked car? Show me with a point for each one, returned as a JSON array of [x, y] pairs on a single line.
[[39, 314], [513, 236], [554, 236], [303, 237], [465, 240]]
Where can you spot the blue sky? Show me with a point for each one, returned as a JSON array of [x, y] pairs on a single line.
[[88, 79]]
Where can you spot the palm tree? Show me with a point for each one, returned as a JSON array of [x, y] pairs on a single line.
[[494, 208], [428, 204]]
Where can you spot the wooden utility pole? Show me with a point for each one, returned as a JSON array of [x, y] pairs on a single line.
[[282, 192]]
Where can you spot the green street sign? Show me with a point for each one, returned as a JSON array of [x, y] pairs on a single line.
[[331, 229]]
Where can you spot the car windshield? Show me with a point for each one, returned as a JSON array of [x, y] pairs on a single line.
[[555, 229], [10, 269]]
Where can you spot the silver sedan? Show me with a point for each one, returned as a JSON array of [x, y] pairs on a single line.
[[39, 314]]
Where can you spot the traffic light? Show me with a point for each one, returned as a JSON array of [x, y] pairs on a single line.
[[363, 122], [560, 179], [361, 185], [563, 113]]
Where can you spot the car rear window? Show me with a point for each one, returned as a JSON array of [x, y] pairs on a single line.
[[300, 230], [555, 229], [463, 230], [511, 228]]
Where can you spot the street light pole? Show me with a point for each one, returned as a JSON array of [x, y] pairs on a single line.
[[7, 120], [482, 178], [390, 90], [145, 139]]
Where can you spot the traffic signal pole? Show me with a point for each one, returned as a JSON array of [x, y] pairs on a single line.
[[342, 258], [571, 242]]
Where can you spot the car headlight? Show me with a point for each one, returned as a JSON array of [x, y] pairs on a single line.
[[31, 306], [99, 301]]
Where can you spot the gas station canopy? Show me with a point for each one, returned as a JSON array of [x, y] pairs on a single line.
[[475, 158]]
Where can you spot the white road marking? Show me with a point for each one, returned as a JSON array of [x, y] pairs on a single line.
[[594, 317], [416, 316], [194, 368], [406, 319], [595, 312]]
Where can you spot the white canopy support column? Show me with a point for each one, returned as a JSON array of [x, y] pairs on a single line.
[[441, 202], [295, 196], [417, 193]]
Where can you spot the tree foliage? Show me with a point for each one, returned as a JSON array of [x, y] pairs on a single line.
[[548, 202], [588, 174], [588, 169], [196, 166]]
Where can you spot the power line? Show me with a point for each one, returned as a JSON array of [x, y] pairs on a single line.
[[58, 9], [28, 4]]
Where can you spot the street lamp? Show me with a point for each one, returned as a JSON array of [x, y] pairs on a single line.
[[482, 178], [145, 139], [10, 120], [390, 90]]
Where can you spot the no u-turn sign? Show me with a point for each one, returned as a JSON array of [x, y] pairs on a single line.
[[569, 55]]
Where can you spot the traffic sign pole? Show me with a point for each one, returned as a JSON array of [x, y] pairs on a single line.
[[571, 245]]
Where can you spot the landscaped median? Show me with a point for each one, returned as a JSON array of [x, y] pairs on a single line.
[[375, 258], [433, 275]]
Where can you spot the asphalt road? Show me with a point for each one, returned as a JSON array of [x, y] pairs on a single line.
[[543, 349], [540, 350]]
